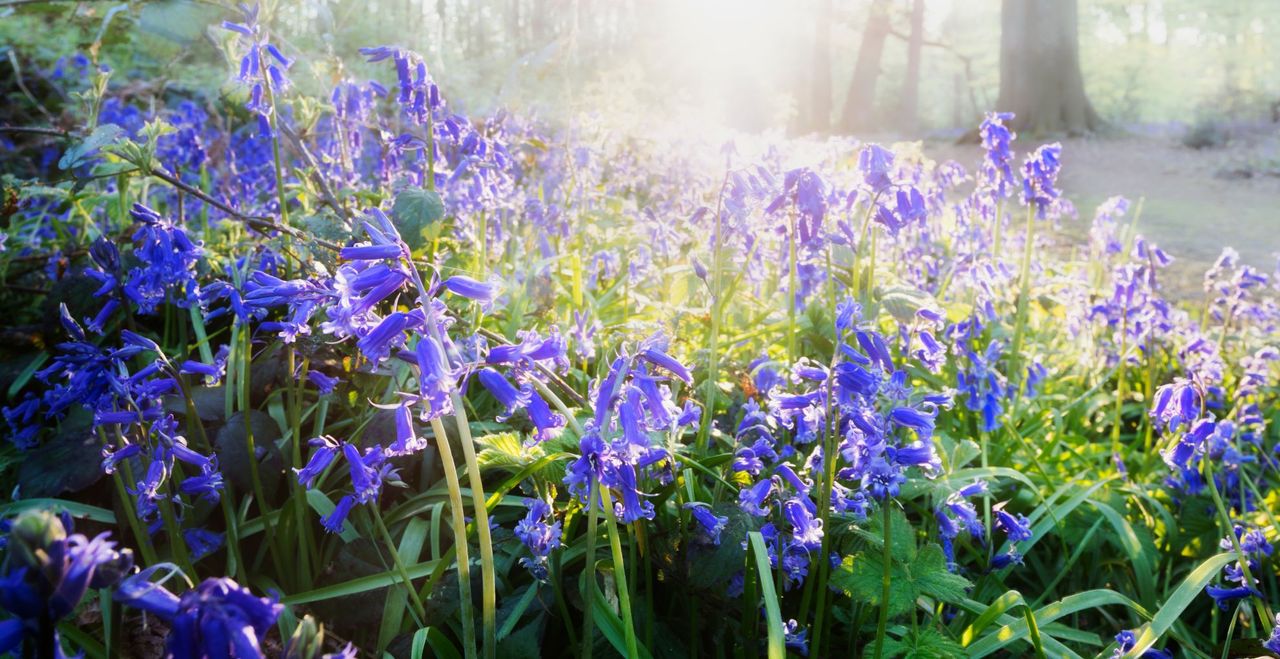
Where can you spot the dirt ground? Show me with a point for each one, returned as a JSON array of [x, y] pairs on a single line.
[[1195, 202]]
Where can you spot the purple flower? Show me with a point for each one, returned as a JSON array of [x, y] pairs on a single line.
[[472, 289], [1224, 597], [1039, 175], [806, 529], [711, 524], [539, 536], [326, 449], [216, 618], [408, 442], [1016, 528], [876, 164], [49, 570], [753, 499], [1273, 643]]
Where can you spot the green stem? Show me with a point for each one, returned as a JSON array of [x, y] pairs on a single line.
[[459, 539], [791, 291], [885, 582], [1264, 609], [1024, 292], [619, 573], [589, 597], [399, 565]]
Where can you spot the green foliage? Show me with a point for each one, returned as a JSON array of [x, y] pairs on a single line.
[[417, 212], [923, 643], [913, 572]]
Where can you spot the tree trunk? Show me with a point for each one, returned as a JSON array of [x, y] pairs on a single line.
[[820, 86], [908, 115], [859, 105], [1040, 77]]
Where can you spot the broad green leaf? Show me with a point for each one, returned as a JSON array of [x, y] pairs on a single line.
[[861, 576], [923, 643], [81, 152], [415, 211]]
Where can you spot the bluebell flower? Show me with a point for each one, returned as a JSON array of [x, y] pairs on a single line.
[[324, 384], [1273, 643], [1176, 403], [334, 521], [201, 542], [1007, 559], [753, 499], [1225, 597], [806, 529], [794, 637], [483, 292], [389, 334], [540, 537], [632, 507], [510, 397], [1039, 176], [49, 570], [876, 164], [1016, 528], [997, 172], [407, 441], [690, 414], [436, 378], [326, 449], [709, 523], [216, 618], [167, 259]]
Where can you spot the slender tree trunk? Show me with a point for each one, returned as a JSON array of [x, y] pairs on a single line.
[[1040, 77], [820, 86], [909, 114], [859, 105]]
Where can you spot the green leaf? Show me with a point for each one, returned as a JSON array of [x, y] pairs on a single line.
[[504, 449], [903, 302], [1018, 630], [79, 153], [903, 535], [931, 574], [773, 613], [860, 576], [1143, 571], [1187, 591], [923, 643], [415, 211], [361, 584]]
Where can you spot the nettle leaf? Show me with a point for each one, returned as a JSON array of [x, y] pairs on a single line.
[[78, 154], [931, 574], [416, 211], [504, 449], [903, 536], [923, 643], [861, 576]]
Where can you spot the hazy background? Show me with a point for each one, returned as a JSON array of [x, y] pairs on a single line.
[[1186, 92]]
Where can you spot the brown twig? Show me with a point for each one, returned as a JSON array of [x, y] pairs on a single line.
[[35, 130], [326, 193]]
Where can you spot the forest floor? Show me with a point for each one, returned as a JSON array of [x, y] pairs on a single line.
[[1195, 202]]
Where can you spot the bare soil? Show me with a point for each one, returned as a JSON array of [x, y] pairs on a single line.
[[1194, 202]]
